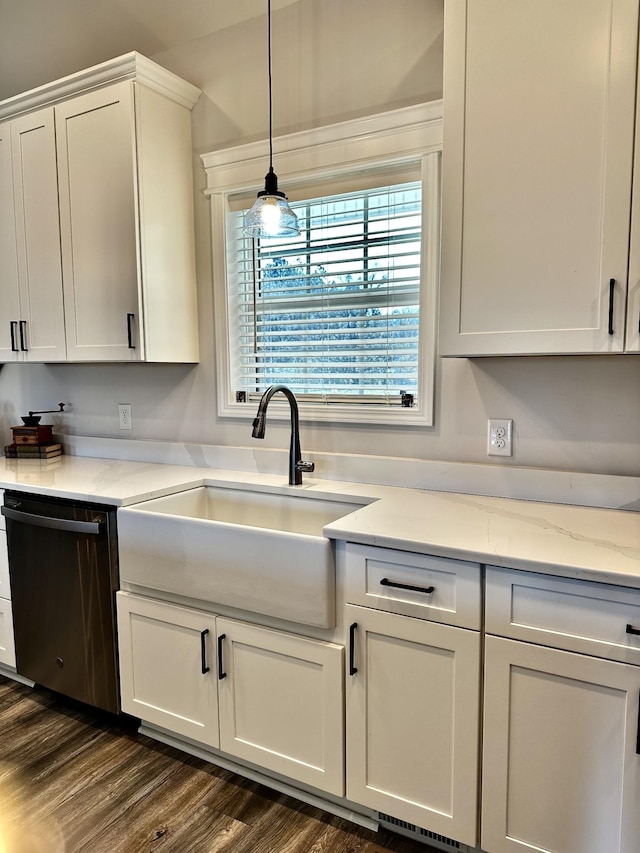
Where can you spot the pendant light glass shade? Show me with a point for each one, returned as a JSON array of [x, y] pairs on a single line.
[[270, 215]]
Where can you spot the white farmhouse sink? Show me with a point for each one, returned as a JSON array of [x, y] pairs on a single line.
[[253, 550]]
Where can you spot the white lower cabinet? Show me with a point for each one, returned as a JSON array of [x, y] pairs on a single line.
[[560, 723], [167, 667], [280, 696], [7, 647], [412, 702], [5, 586], [281, 703], [561, 770]]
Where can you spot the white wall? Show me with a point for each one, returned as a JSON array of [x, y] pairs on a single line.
[[333, 60]]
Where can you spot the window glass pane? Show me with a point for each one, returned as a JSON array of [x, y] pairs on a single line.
[[333, 312]]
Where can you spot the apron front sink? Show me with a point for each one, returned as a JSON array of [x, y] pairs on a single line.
[[257, 551]]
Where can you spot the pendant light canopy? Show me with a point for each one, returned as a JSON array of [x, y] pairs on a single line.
[[270, 215]]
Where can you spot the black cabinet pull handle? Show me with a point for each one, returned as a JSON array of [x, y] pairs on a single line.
[[426, 589], [13, 327], [130, 318], [638, 733], [612, 289], [639, 322], [221, 673], [352, 648], [632, 630], [23, 336], [203, 651]]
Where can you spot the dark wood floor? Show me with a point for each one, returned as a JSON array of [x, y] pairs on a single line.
[[76, 782]]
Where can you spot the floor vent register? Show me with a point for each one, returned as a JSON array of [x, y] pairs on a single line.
[[440, 842]]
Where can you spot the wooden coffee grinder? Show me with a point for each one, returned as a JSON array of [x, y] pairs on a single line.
[[34, 438]]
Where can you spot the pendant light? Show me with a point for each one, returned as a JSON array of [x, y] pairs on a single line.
[[270, 215]]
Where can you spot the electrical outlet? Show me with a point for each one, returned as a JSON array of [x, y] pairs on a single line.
[[124, 413], [499, 437]]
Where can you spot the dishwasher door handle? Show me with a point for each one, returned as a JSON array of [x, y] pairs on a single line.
[[71, 526]]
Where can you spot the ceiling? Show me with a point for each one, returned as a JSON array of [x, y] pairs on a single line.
[[42, 40]]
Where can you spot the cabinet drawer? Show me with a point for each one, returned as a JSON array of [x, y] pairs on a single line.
[[433, 588], [576, 615]]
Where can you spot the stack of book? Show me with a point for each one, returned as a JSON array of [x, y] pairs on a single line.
[[33, 442], [33, 451]]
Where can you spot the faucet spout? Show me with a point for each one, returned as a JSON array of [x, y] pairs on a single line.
[[296, 464]]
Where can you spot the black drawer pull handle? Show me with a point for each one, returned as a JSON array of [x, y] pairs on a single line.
[[221, 673], [632, 630], [612, 289], [638, 733], [352, 648], [428, 590], [13, 327], [130, 318], [203, 651], [23, 336]]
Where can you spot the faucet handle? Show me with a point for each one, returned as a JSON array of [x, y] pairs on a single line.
[[305, 466]]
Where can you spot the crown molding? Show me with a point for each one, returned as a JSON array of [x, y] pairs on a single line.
[[129, 66]]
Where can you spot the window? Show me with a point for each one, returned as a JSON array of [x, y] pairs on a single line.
[[344, 314], [333, 313]]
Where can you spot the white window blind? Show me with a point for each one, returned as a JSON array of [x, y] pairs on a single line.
[[333, 313]]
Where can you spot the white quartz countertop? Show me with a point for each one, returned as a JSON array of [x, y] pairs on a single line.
[[573, 541]]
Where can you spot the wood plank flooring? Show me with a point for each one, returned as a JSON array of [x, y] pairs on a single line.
[[72, 780]]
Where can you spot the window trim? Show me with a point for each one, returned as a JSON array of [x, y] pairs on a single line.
[[411, 134]]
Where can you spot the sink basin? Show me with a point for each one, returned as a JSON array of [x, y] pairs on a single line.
[[285, 513], [252, 550]]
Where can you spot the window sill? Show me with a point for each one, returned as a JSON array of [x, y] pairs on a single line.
[[334, 413]]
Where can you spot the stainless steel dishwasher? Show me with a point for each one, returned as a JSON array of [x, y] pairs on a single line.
[[63, 568]]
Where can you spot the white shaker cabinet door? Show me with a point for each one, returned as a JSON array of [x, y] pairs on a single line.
[[632, 340], [40, 332], [7, 646], [537, 168], [127, 226], [98, 219], [412, 700], [167, 666], [281, 703], [5, 586], [9, 297], [561, 772]]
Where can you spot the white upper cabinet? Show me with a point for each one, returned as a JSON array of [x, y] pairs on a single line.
[[9, 294], [120, 157], [539, 103], [633, 299], [96, 146], [32, 324], [126, 216]]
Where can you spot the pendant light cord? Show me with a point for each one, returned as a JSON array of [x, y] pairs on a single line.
[[270, 87]]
